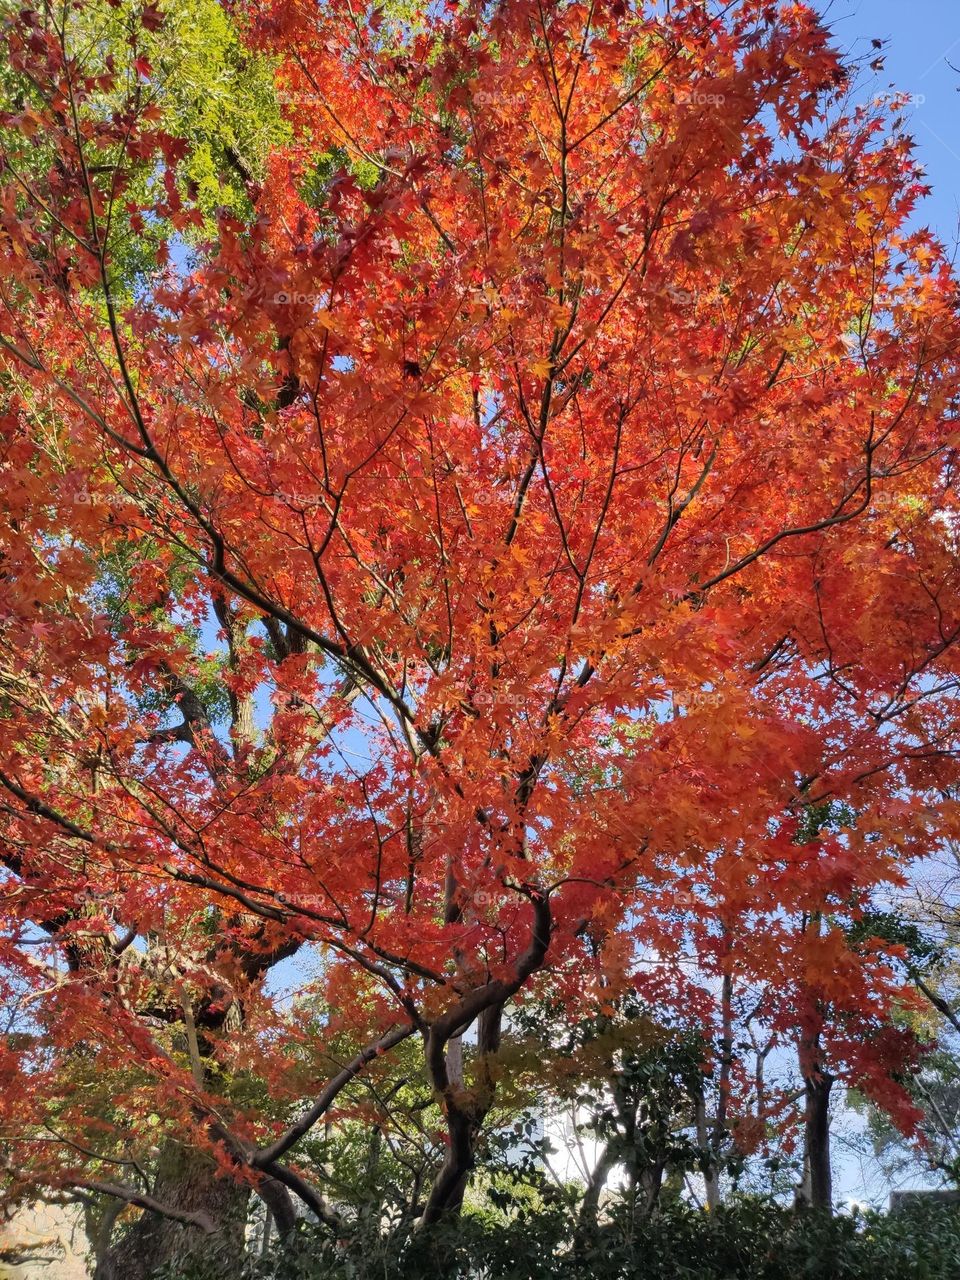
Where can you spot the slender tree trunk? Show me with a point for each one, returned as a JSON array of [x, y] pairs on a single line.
[[589, 1216], [726, 1063], [817, 1188], [711, 1177], [649, 1184], [186, 1179]]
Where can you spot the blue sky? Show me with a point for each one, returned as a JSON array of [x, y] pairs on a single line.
[[922, 37]]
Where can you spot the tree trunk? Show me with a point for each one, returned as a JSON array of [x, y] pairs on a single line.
[[465, 1114], [589, 1217], [466, 1110], [711, 1175], [186, 1179], [817, 1188]]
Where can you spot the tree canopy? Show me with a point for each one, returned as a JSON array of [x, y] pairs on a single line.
[[487, 529]]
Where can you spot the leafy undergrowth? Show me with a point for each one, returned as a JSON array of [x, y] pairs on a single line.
[[747, 1240]]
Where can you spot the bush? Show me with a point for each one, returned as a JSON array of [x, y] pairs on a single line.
[[750, 1239]]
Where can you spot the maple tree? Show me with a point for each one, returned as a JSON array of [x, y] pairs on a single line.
[[473, 558]]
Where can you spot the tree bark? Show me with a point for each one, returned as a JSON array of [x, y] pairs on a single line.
[[465, 1113], [711, 1175], [817, 1187], [816, 1190], [465, 1110], [186, 1180]]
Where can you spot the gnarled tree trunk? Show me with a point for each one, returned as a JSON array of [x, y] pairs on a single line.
[[465, 1113], [186, 1180]]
